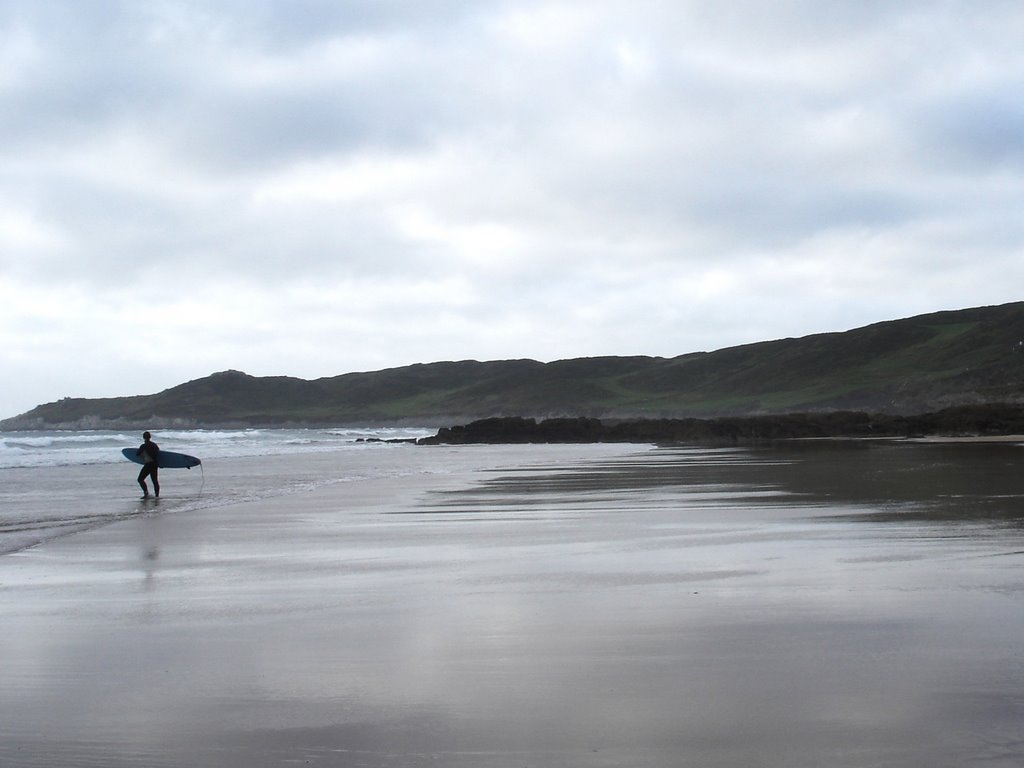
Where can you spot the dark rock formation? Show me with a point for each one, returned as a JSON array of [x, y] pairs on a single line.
[[987, 420]]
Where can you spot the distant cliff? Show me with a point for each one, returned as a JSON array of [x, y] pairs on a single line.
[[910, 366]]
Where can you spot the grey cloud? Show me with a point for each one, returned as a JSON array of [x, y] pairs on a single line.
[[982, 130], [627, 173], [286, 26]]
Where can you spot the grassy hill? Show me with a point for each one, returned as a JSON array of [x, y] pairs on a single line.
[[914, 365]]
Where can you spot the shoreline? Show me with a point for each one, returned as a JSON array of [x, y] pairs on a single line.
[[579, 606], [998, 418]]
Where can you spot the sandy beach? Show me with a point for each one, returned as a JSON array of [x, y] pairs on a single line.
[[583, 606]]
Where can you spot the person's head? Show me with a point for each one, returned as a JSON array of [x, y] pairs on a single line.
[[146, 435]]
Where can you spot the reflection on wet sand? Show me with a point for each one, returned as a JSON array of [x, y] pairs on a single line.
[[825, 604]]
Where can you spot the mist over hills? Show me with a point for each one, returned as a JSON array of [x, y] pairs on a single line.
[[908, 366]]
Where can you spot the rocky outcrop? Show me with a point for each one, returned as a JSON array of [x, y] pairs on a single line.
[[987, 420]]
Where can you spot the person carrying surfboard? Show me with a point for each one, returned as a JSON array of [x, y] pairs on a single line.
[[150, 454]]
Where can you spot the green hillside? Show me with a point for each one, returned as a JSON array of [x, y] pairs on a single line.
[[919, 364]]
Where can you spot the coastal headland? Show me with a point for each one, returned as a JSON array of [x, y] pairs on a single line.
[[899, 369]]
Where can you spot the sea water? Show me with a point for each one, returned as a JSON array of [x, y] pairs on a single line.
[[53, 483], [72, 448]]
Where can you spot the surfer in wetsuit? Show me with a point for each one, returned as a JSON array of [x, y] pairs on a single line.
[[150, 453]]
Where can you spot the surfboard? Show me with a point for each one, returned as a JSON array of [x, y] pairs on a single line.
[[168, 459]]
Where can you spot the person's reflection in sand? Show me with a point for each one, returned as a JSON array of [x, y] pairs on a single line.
[[149, 550], [149, 557]]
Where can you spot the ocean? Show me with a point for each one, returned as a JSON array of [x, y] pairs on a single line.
[[60, 482]]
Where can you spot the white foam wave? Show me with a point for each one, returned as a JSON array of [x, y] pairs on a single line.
[[42, 449]]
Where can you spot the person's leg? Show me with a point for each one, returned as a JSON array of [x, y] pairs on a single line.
[[142, 481], [156, 480]]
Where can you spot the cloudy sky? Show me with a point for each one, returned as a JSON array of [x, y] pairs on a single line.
[[312, 187]]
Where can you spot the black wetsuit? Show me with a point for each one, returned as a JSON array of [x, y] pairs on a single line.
[[150, 453]]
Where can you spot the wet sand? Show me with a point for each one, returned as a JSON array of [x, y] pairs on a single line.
[[661, 608]]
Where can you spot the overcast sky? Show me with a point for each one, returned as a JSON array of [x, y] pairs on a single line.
[[313, 187]]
